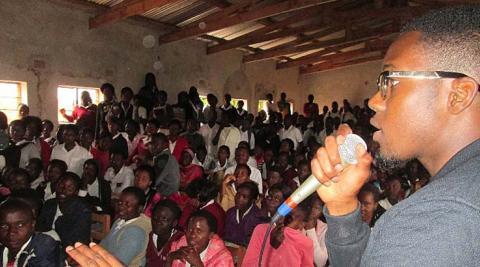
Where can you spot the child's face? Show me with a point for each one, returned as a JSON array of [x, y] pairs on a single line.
[[86, 140], [112, 128], [242, 175], [142, 180], [116, 161], [274, 200], [222, 155], [303, 171], [16, 182], [243, 200], [104, 144], [317, 209], [69, 137], [16, 228], [53, 174], [273, 178], [46, 130]]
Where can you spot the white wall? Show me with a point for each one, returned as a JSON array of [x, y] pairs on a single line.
[[47, 43]]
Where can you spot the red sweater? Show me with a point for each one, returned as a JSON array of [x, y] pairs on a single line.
[[158, 258]]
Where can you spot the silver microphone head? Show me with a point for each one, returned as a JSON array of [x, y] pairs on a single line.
[[347, 149]]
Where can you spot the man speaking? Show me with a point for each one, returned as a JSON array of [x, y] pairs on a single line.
[[427, 107]]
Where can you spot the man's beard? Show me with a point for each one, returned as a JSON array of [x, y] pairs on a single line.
[[388, 163]]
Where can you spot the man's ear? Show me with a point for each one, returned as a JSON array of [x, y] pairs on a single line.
[[462, 93]]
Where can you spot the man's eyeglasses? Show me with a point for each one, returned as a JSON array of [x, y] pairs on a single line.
[[385, 81]]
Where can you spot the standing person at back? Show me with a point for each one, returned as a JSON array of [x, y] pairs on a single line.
[[104, 107], [428, 91], [283, 105], [71, 152], [310, 109]]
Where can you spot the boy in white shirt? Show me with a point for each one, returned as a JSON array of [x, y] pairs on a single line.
[[72, 153], [119, 175]]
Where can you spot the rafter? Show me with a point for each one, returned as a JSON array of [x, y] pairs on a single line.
[[125, 10], [384, 13], [374, 45], [238, 18], [336, 43], [331, 65], [259, 35]]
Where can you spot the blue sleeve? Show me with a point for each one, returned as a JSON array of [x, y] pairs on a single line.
[[48, 255], [346, 238], [130, 244]]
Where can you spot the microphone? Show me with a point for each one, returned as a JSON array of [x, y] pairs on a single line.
[[347, 156]]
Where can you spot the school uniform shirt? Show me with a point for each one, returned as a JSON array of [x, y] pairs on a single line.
[[28, 151], [132, 144], [73, 158], [230, 136], [121, 180], [249, 138], [39, 251], [156, 256], [239, 229], [296, 249], [208, 133], [292, 133]]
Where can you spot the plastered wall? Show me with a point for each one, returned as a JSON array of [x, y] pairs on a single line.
[[47, 43]]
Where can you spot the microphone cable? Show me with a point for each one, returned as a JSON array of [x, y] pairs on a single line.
[[264, 242]]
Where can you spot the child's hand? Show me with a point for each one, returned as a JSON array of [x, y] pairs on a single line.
[[277, 236], [229, 178]]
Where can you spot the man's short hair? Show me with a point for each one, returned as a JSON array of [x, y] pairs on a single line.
[[15, 205], [451, 38], [252, 187], [137, 193], [169, 204]]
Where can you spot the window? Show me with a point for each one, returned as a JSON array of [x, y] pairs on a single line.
[[69, 97], [262, 105], [11, 95], [234, 102]]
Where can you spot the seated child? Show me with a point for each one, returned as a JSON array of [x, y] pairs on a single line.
[[315, 229], [244, 217], [72, 153], [16, 179], [287, 244], [188, 171], [144, 176], [128, 238], [93, 189], [66, 216], [277, 194], [203, 195], [21, 246], [200, 246], [56, 169], [230, 183], [119, 175], [164, 232], [303, 172], [35, 169], [220, 165], [101, 152]]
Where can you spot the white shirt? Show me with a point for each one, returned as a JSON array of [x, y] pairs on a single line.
[[255, 175], [384, 203], [292, 133], [92, 190], [5, 254], [208, 134], [121, 180], [74, 158], [48, 192], [37, 181], [132, 144], [230, 136], [28, 152], [244, 137]]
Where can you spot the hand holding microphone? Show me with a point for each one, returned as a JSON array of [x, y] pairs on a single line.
[[341, 183], [338, 172]]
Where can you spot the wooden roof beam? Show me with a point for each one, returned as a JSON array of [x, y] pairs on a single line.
[[385, 13], [337, 43], [125, 10], [260, 34], [257, 13], [331, 65], [370, 46]]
